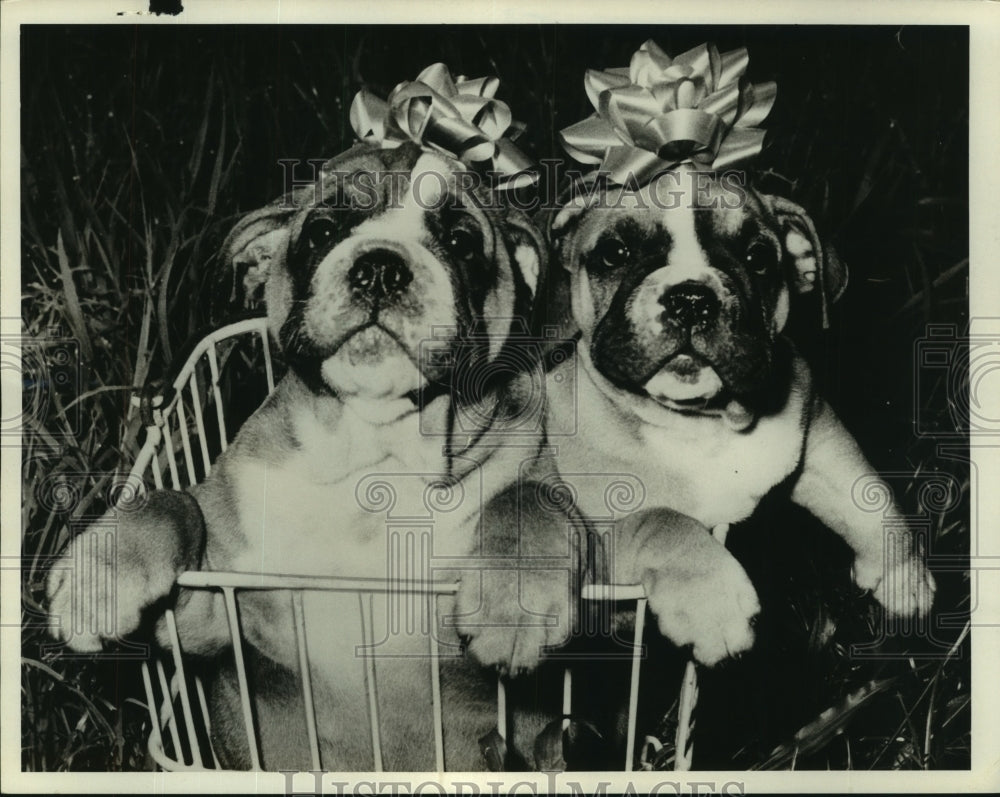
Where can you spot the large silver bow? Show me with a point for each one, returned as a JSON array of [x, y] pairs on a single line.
[[697, 108], [459, 117]]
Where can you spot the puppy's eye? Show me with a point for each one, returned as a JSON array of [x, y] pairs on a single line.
[[611, 252], [761, 257], [462, 243], [319, 232]]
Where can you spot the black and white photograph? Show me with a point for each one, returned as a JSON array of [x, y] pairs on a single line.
[[497, 400]]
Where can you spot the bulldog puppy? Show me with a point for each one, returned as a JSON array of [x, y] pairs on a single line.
[[679, 292], [393, 291]]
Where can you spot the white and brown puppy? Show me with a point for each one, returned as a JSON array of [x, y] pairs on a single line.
[[680, 291], [392, 290]]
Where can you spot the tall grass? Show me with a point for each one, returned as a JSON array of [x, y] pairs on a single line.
[[121, 217], [141, 145]]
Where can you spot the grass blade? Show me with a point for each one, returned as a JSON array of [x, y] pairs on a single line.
[[74, 314]]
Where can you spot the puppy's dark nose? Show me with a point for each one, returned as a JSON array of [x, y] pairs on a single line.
[[689, 304], [380, 274]]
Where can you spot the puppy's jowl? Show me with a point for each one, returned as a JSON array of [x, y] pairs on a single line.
[[680, 307], [389, 319]]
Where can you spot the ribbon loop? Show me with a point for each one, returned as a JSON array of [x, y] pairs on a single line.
[[459, 117], [659, 112]]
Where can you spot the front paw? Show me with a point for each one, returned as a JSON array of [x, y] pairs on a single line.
[[510, 617], [713, 609], [91, 596], [900, 582], [128, 560]]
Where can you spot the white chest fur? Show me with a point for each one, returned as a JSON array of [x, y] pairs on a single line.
[[694, 464], [338, 504]]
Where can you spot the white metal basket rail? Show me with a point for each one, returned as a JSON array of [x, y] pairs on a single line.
[[177, 702]]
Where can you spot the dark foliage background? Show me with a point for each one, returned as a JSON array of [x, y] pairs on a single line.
[[141, 146]]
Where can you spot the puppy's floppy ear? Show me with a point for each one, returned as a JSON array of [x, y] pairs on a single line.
[[527, 247], [250, 252], [562, 221], [259, 241], [559, 224], [815, 266], [555, 310]]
